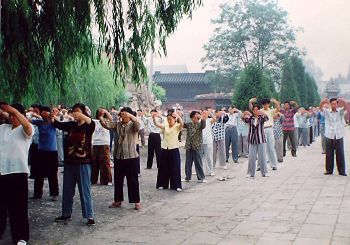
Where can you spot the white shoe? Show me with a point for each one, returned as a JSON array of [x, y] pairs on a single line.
[[185, 180], [194, 173], [266, 175], [178, 189], [21, 242], [203, 181], [212, 174], [110, 184], [225, 168], [160, 188], [247, 176]]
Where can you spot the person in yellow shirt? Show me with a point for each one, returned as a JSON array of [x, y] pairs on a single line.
[[170, 163]]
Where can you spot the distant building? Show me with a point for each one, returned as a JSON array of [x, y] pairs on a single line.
[[339, 87], [190, 90]]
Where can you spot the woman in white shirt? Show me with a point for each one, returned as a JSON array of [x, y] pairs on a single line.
[[15, 139], [101, 162], [170, 162]]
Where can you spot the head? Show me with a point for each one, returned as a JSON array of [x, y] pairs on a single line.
[[287, 105], [139, 112], [171, 119], [124, 114], [205, 114], [14, 121], [333, 104], [81, 108], [265, 103], [153, 111], [36, 108], [230, 109], [256, 110], [194, 116], [45, 112]]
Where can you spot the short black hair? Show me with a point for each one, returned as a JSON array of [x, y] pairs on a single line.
[[45, 108], [128, 110], [82, 107], [153, 110], [287, 101], [333, 99], [256, 106], [19, 107], [171, 111], [193, 113], [139, 110], [265, 101]]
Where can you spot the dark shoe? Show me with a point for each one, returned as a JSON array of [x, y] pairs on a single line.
[[90, 222], [258, 169], [35, 198], [284, 154], [294, 155], [226, 160], [148, 168], [274, 168], [280, 161], [343, 174], [328, 173], [323, 152], [63, 218], [235, 161]]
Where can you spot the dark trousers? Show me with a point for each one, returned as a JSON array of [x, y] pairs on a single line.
[[169, 169], [48, 163], [196, 157], [138, 159], [335, 146], [126, 168], [291, 135], [14, 204], [154, 146]]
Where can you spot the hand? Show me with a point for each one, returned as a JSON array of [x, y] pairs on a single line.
[[253, 99], [45, 114], [52, 117], [175, 115], [76, 116]]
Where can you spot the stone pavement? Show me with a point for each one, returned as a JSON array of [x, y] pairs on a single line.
[[296, 205]]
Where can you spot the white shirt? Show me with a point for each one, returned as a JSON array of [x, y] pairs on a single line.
[[14, 147], [207, 132], [101, 135], [232, 119], [334, 123]]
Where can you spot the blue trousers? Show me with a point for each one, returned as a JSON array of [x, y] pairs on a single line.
[[81, 174], [231, 138]]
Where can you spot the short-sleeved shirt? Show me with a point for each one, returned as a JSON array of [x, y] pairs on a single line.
[[334, 123], [101, 135], [47, 136], [207, 132], [194, 137], [302, 120], [170, 136], [14, 147], [270, 114], [288, 123]]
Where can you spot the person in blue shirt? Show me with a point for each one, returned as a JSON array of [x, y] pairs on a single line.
[[47, 157], [321, 118]]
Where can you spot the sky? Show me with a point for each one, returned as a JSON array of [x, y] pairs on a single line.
[[325, 36]]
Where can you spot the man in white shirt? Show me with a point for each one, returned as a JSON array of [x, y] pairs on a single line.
[[208, 143], [231, 135], [334, 134], [15, 139], [154, 140]]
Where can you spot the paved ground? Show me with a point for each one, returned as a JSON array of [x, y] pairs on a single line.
[[296, 205]]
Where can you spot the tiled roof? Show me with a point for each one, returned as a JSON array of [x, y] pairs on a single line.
[[214, 96], [180, 78]]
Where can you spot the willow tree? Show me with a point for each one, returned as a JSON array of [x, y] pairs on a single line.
[[48, 36]]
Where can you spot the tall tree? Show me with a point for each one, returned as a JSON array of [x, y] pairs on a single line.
[[50, 35], [252, 83], [299, 78], [250, 31], [288, 89]]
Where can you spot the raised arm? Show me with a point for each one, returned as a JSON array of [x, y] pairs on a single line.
[[27, 127], [251, 102], [159, 125], [105, 119], [277, 104]]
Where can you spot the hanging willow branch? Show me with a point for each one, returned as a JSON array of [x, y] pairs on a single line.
[[49, 36]]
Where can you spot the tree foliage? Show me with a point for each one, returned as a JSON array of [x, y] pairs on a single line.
[[222, 82], [250, 32], [252, 83], [297, 84], [93, 86], [49, 36], [159, 92]]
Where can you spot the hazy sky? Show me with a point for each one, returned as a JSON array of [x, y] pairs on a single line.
[[326, 35]]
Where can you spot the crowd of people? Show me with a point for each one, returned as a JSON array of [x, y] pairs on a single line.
[[35, 141]]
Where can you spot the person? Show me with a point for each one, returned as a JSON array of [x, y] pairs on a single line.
[[15, 139], [47, 156], [257, 140], [170, 163], [101, 154], [289, 110], [218, 130], [126, 158], [242, 130], [193, 146], [302, 117], [140, 115], [154, 140], [278, 134], [207, 145], [77, 169], [334, 133], [270, 138], [231, 135], [320, 116]]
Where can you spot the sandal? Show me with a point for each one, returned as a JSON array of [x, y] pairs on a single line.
[[115, 205], [137, 206]]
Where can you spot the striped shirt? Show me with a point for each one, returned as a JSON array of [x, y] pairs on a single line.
[[256, 129], [288, 123]]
